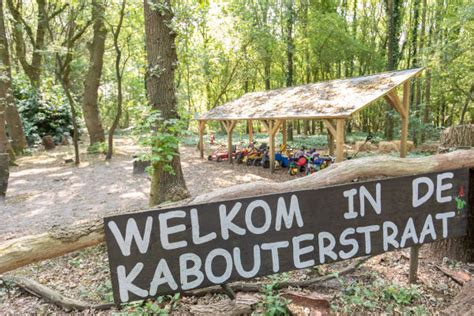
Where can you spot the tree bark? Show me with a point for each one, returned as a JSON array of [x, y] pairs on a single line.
[[5, 98], [92, 80], [118, 74], [392, 8], [33, 69], [58, 241], [162, 61], [14, 126]]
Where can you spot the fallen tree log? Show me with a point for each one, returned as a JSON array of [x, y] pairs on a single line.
[[58, 241]]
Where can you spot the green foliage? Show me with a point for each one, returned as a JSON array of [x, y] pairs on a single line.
[[98, 148], [46, 114], [272, 303], [378, 296], [162, 305], [160, 138]]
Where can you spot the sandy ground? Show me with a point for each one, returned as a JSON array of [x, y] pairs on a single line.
[[44, 191]]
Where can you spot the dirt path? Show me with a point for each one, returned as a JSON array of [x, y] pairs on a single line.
[[44, 191]]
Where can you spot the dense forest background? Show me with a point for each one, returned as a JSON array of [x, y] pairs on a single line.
[[84, 61]]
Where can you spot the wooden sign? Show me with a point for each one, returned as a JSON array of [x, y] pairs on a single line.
[[172, 250]]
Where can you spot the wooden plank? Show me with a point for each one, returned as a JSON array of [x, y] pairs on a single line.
[[340, 129], [284, 133], [163, 251]]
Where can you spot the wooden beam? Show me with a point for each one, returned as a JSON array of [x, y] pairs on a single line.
[[250, 125], [202, 126], [340, 129], [404, 127], [331, 128], [284, 133], [393, 99]]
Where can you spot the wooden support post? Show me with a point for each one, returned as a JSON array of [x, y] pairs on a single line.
[[414, 252], [403, 107], [283, 132], [405, 117], [272, 126], [202, 126], [331, 143], [340, 129], [229, 127], [250, 125]]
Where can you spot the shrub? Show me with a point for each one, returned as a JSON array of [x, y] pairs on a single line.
[[42, 114]]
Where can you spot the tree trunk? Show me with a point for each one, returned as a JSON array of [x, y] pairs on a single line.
[[58, 241], [118, 74], [289, 43], [392, 8], [92, 81], [5, 92], [33, 69], [10, 113], [162, 61]]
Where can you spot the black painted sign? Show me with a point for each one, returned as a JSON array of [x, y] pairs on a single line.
[[171, 250]]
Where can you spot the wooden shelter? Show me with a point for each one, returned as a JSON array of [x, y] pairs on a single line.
[[333, 102]]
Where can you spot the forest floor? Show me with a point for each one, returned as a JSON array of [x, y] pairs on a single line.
[[45, 191]]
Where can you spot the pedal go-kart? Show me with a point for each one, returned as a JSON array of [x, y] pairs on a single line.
[[221, 154]]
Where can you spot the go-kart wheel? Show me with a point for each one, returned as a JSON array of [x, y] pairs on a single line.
[[209, 157], [219, 159]]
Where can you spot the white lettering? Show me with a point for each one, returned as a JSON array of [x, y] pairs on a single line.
[[125, 282], [366, 230], [132, 233], [298, 251], [428, 229], [162, 276], [326, 250], [226, 221], [348, 242], [197, 240], [409, 232], [248, 217], [416, 200], [194, 270], [273, 247], [376, 203], [283, 215], [390, 238], [444, 217], [440, 187], [228, 266], [166, 230], [256, 263], [351, 213]]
